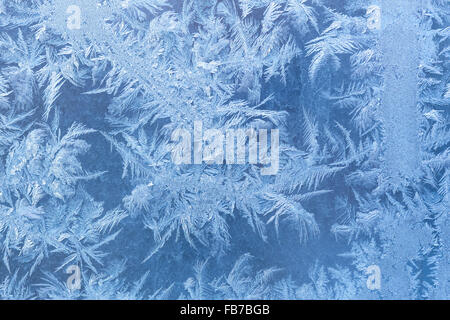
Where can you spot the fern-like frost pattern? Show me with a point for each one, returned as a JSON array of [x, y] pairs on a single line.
[[111, 111]]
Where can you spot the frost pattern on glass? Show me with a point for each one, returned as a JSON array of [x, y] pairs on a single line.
[[224, 149]]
